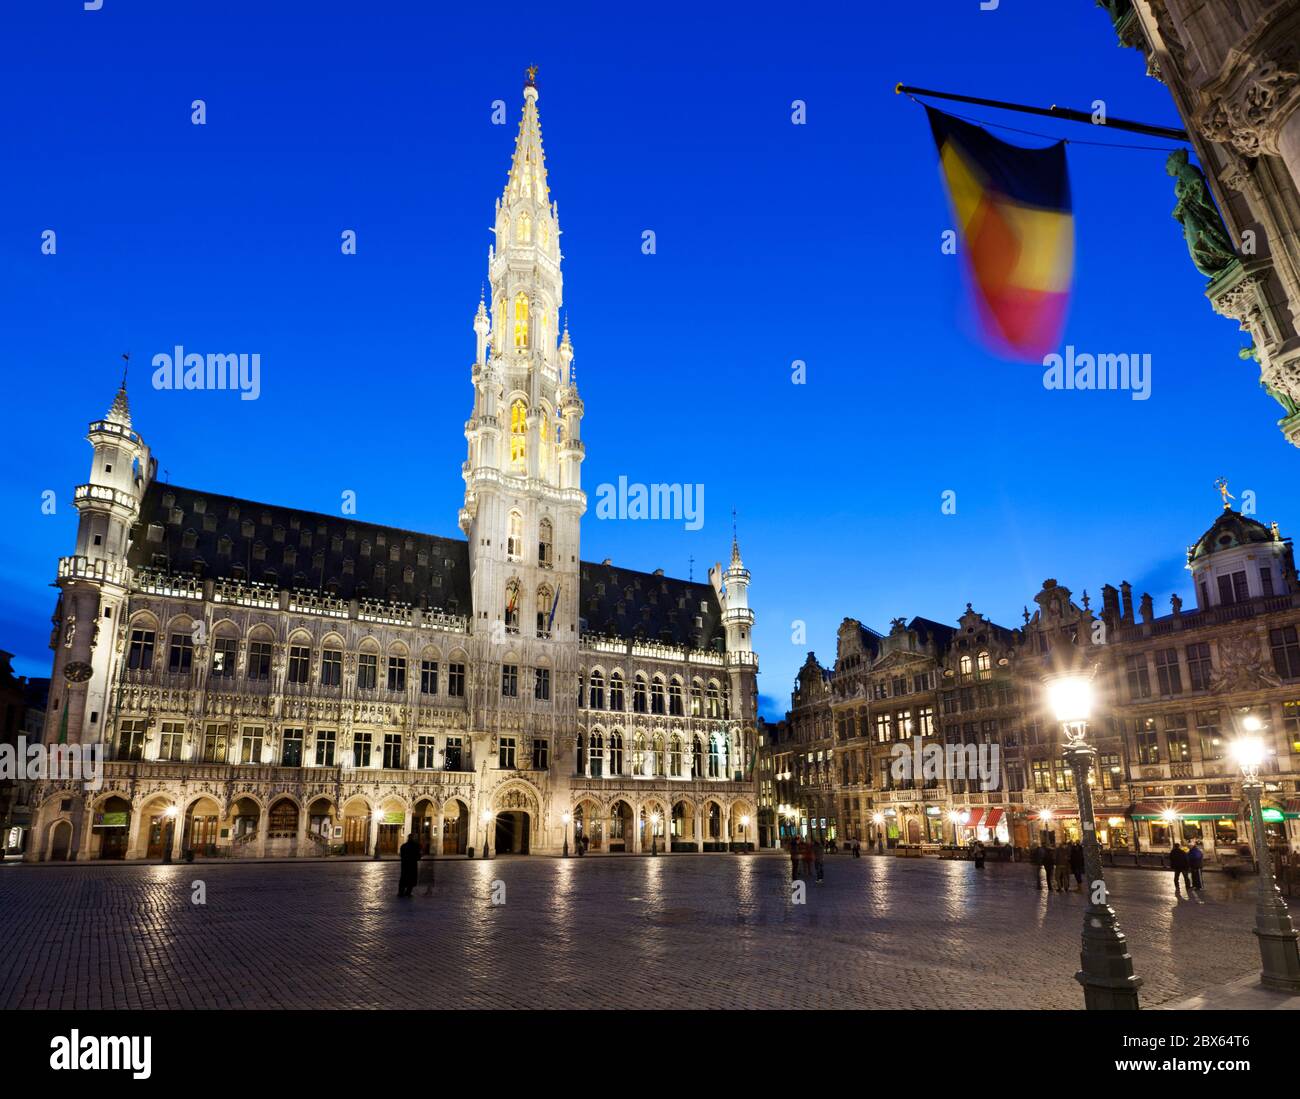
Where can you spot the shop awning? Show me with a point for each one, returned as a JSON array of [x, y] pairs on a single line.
[[994, 816], [1222, 809], [976, 815], [1293, 807]]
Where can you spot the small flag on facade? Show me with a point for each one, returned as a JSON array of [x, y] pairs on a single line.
[[550, 622], [1013, 209]]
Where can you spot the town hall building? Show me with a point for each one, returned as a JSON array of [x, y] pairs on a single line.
[[270, 682]]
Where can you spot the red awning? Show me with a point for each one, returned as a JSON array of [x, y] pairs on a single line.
[[975, 816], [995, 815]]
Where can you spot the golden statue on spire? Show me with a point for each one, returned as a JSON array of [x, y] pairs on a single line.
[[531, 74], [1222, 485]]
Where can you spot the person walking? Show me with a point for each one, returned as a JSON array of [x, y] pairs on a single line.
[[794, 857], [806, 856], [857, 848], [409, 853], [1178, 864], [819, 860], [1040, 857], [1063, 870], [426, 874], [977, 853], [1196, 860], [1076, 863]]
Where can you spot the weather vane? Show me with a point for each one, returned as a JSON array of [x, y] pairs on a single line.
[[1222, 485], [126, 362], [531, 73]]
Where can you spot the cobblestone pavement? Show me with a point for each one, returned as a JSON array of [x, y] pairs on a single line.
[[685, 931]]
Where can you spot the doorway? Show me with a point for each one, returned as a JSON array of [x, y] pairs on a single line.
[[512, 833], [61, 841]]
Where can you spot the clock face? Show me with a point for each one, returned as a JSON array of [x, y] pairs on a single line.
[[77, 671]]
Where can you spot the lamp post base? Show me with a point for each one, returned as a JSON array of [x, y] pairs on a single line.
[[1279, 957], [1106, 967]]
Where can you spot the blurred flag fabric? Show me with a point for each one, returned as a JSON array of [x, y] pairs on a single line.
[[1012, 205]]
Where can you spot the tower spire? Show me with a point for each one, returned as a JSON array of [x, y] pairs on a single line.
[[528, 165], [119, 411]]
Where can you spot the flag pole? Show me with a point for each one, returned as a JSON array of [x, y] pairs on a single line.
[[1065, 114]]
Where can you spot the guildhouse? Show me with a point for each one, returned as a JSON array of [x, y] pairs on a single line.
[[267, 681]]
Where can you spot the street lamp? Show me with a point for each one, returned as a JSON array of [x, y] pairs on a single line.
[[487, 820], [744, 824], [565, 817], [1106, 967], [878, 819], [1278, 951], [654, 833], [170, 813]]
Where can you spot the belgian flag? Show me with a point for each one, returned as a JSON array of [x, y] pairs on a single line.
[[1012, 205]]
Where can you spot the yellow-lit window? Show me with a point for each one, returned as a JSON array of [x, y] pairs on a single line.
[[521, 321], [544, 433], [518, 433], [524, 228]]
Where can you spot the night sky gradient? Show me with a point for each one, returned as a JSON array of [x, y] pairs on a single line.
[[775, 242]]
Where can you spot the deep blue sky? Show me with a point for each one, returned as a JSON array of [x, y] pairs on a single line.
[[775, 242]]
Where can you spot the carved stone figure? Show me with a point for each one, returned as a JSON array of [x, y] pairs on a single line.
[[1203, 229]]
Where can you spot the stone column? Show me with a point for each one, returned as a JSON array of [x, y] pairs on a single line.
[[300, 841], [263, 828], [699, 828]]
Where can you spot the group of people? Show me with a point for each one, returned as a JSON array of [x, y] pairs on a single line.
[[1186, 864], [1058, 865], [810, 854]]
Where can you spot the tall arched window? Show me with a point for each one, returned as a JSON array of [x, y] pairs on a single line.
[[512, 607], [524, 228], [657, 696], [616, 692], [545, 601], [638, 755], [675, 757], [715, 755], [697, 698], [596, 756], [597, 691], [518, 434], [715, 704], [515, 535], [697, 759], [675, 697], [615, 753], [521, 321], [544, 539], [983, 665], [657, 755]]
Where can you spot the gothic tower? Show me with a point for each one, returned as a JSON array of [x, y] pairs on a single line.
[[523, 485]]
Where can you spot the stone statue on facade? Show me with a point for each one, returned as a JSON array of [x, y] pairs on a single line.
[[1203, 229]]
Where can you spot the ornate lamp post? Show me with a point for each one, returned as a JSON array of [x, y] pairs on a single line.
[[1278, 952], [169, 832], [487, 820], [878, 819], [565, 817], [1106, 967]]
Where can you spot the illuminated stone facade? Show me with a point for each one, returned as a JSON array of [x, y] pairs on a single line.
[[272, 682]]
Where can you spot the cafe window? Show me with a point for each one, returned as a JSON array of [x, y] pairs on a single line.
[[1225, 832]]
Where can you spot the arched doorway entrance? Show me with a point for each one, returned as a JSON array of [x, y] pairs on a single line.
[[320, 827], [282, 828], [112, 824], [455, 828], [156, 827], [512, 832], [391, 818], [621, 835], [515, 807], [60, 840], [356, 827], [245, 816], [683, 836], [202, 825], [424, 821], [913, 830], [587, 825]]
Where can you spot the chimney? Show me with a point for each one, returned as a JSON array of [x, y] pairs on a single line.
[[1126, 594]]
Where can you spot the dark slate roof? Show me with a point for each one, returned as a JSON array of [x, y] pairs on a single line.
[[624, 603], [928, 629], [298, 549], [1230, 529], [196, 526]]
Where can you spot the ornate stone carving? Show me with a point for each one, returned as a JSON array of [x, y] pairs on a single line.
[[1242, 665]]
